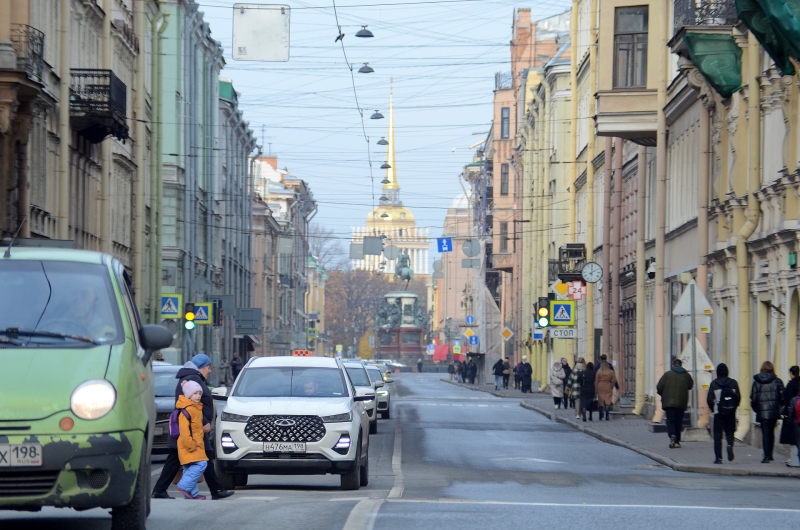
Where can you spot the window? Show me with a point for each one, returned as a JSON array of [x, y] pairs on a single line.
[[630, 47], [503, 237], [503, 179], [505, 119]]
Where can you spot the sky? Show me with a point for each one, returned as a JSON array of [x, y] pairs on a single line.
[[441, 55]]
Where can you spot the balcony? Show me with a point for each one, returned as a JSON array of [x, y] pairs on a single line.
[[571, 259], [98, 105], [28, 44], [704, 13]]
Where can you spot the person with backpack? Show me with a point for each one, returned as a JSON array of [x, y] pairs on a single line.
[[723, 399], [787, 429], [794, 420], [766, 399], [191, 446]]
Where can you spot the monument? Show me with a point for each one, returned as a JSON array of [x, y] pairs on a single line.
[[402, 322]]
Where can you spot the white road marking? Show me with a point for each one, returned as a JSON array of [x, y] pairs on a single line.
[[526, 459], [343, 499], [254, 498], [363, 514], [397, 491], [569, 505]]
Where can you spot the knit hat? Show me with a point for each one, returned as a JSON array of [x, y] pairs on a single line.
[[201, 360], [190, 387]]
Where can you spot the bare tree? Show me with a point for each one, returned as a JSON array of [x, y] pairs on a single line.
[[352, 299], [327, 248]]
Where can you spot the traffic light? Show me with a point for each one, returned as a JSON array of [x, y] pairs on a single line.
[[188, 315], [543, 313], [217, 314]]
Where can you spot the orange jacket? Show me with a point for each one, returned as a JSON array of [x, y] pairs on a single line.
[[190, 446]]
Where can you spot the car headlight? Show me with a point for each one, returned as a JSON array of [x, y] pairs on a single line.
[[227, 416], [337, 418], [93, 399], [383, 393]]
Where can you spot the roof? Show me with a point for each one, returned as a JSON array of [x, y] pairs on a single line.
[[394, 213], [53, 254], [306, 362], [226, 90]]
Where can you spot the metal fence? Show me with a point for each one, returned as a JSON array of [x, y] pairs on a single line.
[[97, 92], [28, 44], [704, 13]]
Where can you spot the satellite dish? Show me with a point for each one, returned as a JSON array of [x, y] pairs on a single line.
[[438, 265], [471, 247], [391, 252]]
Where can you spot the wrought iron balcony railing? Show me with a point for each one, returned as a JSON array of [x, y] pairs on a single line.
[[704, 13], [28, 44], [503, 81], [571, 259], [98, 104]]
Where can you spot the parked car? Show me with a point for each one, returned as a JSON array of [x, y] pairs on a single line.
[[164, 383], [383, 395], [386, 374], [358, 375], [293, 416], [78, 427]]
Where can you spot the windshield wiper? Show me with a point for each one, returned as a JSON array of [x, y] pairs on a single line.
[[13, 333]]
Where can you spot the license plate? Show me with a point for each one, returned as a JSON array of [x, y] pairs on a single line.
[[279, 447], [158, 431], [20, 455]]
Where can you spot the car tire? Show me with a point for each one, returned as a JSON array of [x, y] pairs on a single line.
[[352, 479], [240, 480], [373, 426], [363, 474], [228, 479], [387, 414], [133, 515]]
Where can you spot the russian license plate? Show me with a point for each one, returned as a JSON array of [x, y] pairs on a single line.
[[158, 431], [281, 447], [20, 455]]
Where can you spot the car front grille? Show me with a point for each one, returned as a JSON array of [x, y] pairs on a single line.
[[26, 483], [162, 416], [303, 429]]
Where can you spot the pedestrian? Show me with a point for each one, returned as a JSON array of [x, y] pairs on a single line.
[[605, 381], [191, 447], [472, 371], [451, 370], [723, 399], [498, 369], [527, 372], [587, 394], [673, 387], [787, 429], [604, 359], [557, 384], [766, 398], [518, 369], [236, 365], [197, 370], [419, 366], [565, 388], [506, 372], [574, 386], [461, 370], [794, 420]]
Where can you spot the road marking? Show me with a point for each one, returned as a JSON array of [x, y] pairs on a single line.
[[525, 459], [363, 514], [254, 498], [397, 491], [351, 499], [569, 505]]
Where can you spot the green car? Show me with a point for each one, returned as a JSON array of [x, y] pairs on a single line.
[[76, 398]]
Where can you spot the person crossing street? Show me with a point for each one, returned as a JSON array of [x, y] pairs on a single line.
[[723, 400]]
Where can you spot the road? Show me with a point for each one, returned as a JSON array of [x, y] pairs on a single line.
[[453, 458]]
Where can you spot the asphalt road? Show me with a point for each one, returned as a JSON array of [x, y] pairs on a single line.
[[452, 458]]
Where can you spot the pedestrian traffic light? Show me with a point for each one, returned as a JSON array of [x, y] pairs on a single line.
[[188, 315], [543, 313]]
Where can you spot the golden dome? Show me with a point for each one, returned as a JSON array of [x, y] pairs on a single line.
[[395, 214]]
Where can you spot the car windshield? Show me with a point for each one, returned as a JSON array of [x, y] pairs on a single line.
[[61, 299], [374, 375], [358, 375], [165, 383], [286, 381]]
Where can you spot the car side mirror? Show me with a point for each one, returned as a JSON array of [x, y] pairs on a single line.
[[378, 384], [367, 396], [390, 381], [154, 338], [220, 393]]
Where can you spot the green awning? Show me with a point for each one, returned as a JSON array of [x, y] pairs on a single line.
[[757, 21], [718, 58]]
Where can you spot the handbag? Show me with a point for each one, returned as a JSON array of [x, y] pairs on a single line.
[[615, 396]]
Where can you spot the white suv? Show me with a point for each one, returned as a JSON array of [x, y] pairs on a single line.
[[293, 416]]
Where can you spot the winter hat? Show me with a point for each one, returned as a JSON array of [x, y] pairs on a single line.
[[201, 360], [190, 387], [722, 370]]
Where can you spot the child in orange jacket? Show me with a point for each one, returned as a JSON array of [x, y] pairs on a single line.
[[191, 448]]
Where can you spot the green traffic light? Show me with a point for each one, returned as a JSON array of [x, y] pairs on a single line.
[[189, 325], [543, 322]]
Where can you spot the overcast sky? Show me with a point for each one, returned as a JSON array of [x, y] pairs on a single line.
[[442, 55]]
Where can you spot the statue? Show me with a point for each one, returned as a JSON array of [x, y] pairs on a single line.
[[403, 269], [382, 318], [422, 320], [394, 315]]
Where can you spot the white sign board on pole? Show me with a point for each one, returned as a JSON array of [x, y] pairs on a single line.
[[684, 305], [704, 364], [261, 32], [683, 323], [563, 333]]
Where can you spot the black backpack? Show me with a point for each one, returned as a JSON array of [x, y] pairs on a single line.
[[728, 400]]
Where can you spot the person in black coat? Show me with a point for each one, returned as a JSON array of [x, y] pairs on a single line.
[[527, 373], [724, 418], [568, 403], [766, 400], [472, 371], [787, 429], [587, 391], [195, 370], [498, 369]]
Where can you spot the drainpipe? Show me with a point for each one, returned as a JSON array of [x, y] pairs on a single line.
[[139, 268], [607, 159], [106, 165], [641, 277], [753, 211], [64, 130], [590, 181], [156, 161], [615, 292], [702, 241], [661, 206], [573, 144]]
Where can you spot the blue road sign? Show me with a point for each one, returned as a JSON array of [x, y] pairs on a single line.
[[445, 244], [562, 312], [470, 320], [171, 305], [473, 340]]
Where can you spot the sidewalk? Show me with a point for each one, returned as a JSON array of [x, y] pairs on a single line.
[[631, 432]]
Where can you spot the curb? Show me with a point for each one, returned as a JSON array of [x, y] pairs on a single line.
[[484, 390]]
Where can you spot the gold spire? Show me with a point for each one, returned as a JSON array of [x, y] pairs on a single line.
[[391, 173]]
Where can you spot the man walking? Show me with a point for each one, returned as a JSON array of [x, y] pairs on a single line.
[[451, 370], [527, 372], [498, 369], [673, 387], [236, 365], [197, 370], [419, 366], [723, 399]]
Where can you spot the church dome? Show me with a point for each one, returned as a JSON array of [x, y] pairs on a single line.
[[460, 202], [395, 214]]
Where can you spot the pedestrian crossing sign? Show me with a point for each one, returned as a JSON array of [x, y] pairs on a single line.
[[202, 312], [562, 312], [171, 305]]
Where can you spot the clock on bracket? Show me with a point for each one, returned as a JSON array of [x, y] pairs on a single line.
[[592, 272]]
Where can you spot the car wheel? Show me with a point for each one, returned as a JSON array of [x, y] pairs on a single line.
[[363, 477], [352, 479], [387, 413], [133, 515], [228, 479], [373, 426], [240, 480]]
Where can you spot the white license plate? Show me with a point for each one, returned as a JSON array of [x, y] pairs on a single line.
[[158, 431], [280, 447], [20, 455]]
